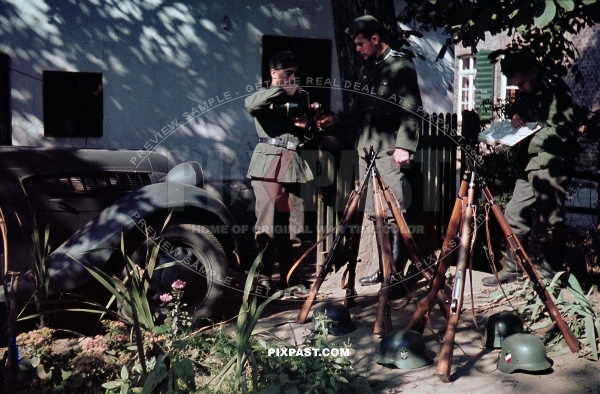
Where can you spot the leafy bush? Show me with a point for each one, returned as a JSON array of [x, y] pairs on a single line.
[[138, 356], [573, 305], [305, 374]]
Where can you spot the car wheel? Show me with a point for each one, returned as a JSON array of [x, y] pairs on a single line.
[[201, 264]]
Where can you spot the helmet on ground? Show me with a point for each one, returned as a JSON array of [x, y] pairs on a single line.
[[523, 352], [404, 349], [340, 316], [499, 326]]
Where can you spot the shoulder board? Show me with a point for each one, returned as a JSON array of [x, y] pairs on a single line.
[[397, 54], [549, 79], [549, 82]]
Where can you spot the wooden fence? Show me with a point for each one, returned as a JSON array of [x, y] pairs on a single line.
[[432, 181]]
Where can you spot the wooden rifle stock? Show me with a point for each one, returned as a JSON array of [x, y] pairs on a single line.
[[525, 263], [445, 362], [350, 210], [413, 251], [439, 276], [349, 287], [383, 322]]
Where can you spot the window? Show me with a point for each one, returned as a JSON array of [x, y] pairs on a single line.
[[73, 105], [507, 94], [313, 56], [467, 72], [484, 92]]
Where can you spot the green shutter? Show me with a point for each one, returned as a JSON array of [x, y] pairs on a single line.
[[484, 86]]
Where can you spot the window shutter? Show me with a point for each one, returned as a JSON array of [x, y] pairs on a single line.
[[484, 86]]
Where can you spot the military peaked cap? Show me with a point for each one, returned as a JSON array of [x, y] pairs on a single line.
[[282, 60], [362, 23]]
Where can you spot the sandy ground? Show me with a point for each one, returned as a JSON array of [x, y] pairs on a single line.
[[476, 373]]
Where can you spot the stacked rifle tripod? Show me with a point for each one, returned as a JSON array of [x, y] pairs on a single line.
[[458, 240]]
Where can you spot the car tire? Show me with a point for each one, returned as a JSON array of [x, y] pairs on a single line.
[[203, 268]]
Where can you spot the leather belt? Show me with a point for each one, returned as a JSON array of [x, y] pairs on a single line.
[[280, 143]]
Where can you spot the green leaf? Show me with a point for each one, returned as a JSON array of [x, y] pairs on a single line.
[[35, 361], [41, 372], [124, 373], [65, 374], [544, 13], [589, 330], [155, 377], [567, 5], [112, 385], [290, 390], [184, 370], [284, 378], [588, 2], [273, 389], [160, 329], [115, 287]]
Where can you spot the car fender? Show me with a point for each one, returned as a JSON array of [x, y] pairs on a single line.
[[94, 243]]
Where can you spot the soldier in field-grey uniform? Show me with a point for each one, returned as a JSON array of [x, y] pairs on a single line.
[[277, 171], [388, 100]]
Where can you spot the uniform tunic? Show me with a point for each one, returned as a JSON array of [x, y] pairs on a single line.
[[388, 102], [268, 161], [276, 172], [537, 205]]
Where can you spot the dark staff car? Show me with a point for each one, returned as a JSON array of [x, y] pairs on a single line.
[[89, 199]]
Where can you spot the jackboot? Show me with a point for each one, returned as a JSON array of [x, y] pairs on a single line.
[[552, 257], [372, 279], [377, 277], [267, 262], [399, 260], [401, 284], [286, 259], [511, 270]]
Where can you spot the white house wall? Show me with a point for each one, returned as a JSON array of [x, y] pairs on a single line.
[[160, 60], [436, 78]]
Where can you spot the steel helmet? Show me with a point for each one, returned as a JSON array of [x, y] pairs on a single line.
[[499, 326], [404, 349], [339, 314], [524, 352]]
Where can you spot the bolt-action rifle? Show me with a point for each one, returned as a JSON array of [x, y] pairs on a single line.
[[350, 212], [466, 234], [383, 321], [445, 362], [525, 263], [448, 245], [423, 268]]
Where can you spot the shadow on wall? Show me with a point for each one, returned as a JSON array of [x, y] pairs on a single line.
[[436, 79], [175, 73], [587, 92]]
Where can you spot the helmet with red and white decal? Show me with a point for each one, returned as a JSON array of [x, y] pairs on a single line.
[[523, 352]]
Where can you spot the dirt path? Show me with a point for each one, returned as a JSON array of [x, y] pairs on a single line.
[[568, 375]]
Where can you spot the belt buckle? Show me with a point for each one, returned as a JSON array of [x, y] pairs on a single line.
[[290, 145]]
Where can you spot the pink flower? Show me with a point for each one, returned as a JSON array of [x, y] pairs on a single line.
[[178, 284], [166, 297], [95, 345]]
